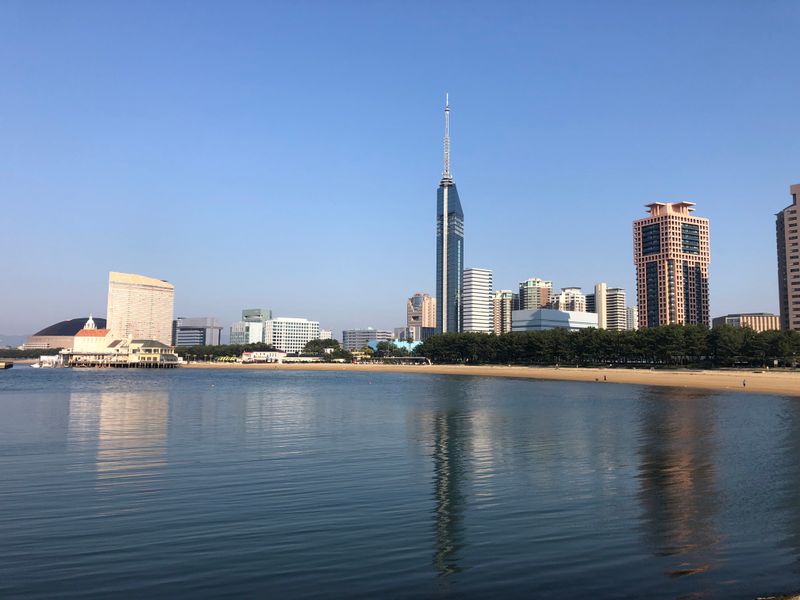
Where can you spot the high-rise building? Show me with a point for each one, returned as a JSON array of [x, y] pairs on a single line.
[[789, 262], [534, 293], [632, 318], [616, 313], [449, 245], [196, 331], [570, 298], [252, 328], [600, 304], [478, 301], [502, 307], [672, 253], [356, 339], [140, 307], [290, 334], [421, 310]]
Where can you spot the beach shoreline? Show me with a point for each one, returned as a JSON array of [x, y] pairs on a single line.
[[755, 381]]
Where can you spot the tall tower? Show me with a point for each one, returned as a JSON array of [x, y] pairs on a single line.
[[671, 251], [449, 244], [786, 229], [477, 303], [140, 307]]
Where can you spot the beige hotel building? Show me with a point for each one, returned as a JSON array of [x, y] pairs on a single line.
[[140, 307], [672, 252]]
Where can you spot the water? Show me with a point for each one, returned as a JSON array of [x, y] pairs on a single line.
[[199, 484]]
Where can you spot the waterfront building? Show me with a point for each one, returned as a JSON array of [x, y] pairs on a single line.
[[616, 312], [140, 307], [449, 245], [267, 356], [59, 335], [421, 310], [91, 339], [632, 320], [569, 299], [547, 318], [477, 309], [502, 306], [534, 293], [356, 339], [756, 321], [787, 231], [252, 328], [196, 331], [672, 253], [290, 334]]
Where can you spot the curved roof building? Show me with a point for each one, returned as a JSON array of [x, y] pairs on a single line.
[[59, 335]]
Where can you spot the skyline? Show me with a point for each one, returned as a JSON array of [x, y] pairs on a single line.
[[564, 116]]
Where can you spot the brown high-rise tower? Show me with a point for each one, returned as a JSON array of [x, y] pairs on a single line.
[[789, 262]]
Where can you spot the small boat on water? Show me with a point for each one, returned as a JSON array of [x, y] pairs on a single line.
[[6, 365]]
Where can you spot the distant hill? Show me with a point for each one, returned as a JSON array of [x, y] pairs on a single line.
[[12, 340]]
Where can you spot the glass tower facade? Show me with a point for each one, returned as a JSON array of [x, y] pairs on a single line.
[[449, 258]]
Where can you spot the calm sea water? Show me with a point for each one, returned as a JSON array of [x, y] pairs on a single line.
[[199, 484]]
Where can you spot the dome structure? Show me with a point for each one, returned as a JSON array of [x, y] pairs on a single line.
[[61, 334]]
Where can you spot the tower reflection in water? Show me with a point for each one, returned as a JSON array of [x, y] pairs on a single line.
[[128, 432], [678, 493]]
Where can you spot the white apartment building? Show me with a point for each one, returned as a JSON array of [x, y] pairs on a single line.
[[477, 304], [291, 334], [632, 320], [616, 313], [569, 299], [356, 339], [140, 307]]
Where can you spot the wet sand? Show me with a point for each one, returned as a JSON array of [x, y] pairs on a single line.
[[757, 381]]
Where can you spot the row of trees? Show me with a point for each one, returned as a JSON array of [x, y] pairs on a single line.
[[688, 345]]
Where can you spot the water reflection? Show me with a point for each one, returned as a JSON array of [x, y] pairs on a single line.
[[678, 492], [128, 433], [448, 471]]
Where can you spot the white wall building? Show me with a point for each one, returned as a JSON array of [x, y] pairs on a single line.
[[570, 298], [325, 334], [356, 339], [291, 334], [546, 318], [616, 315], [477, 304], [632, 321], [247, 332], [140, 307]]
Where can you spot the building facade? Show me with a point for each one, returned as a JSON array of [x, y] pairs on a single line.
[[290, 334], [756, 321], [196, 331], [421, 310], [449, 245], [616, 311], [632, 321], [252, 328], [547, 318], [570, 299], [786, 230], [325, 334], [672, 253], [140, 307], [59, 335], [356, 339], [502, 306], [478, 301], [534, 293]]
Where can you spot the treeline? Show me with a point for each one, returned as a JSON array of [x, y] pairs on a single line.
[[689, 345], [206, 353], [16, 353]]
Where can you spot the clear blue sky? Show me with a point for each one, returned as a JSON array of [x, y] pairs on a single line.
[[287, 155]]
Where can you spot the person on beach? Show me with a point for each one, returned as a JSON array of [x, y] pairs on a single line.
[[744, 382]]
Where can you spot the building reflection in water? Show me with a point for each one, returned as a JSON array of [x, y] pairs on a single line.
[[678, 494], [128, 432]]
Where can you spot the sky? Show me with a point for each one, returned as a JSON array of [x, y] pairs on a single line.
[[286, 155]]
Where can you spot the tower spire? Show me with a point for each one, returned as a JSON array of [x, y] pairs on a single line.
[[446, 172]]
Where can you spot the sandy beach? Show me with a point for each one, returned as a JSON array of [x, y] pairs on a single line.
[[757, 381]]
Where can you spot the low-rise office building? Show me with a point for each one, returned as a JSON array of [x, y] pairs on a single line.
[[546, 318], [756, 321], [196, 331], [290, 334], [356, 339]]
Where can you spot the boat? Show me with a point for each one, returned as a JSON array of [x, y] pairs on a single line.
[[6, 365]]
